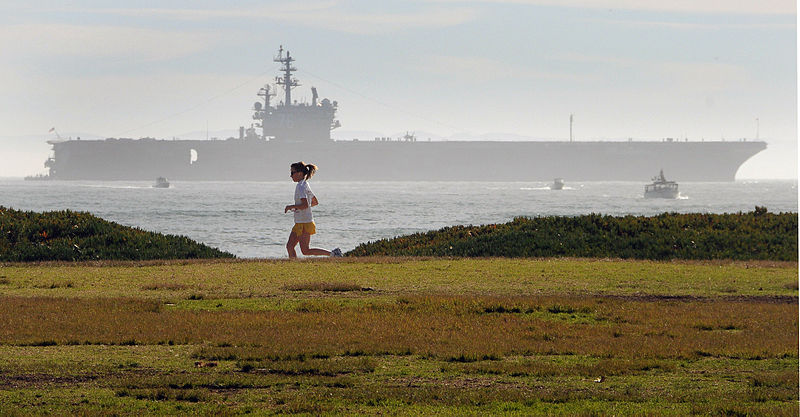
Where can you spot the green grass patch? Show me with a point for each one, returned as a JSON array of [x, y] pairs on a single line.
[[404, 385], [268, 279]]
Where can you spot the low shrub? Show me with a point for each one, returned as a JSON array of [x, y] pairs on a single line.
[[27, 236], [756, 235]]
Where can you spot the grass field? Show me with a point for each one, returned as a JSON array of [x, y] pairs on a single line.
[[400, 336]]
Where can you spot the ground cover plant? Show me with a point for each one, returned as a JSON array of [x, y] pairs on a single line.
[[400, 336], [744, 236], [78, 236]]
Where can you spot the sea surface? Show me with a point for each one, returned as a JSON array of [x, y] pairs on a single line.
[[247, 219]]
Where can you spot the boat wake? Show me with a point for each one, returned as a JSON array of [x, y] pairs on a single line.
[[119, 187], [545, 188]]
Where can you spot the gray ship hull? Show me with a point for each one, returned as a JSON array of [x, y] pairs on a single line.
[[668, 194], [258, 160], [292, 132]]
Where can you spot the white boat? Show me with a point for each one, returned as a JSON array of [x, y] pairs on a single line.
[[161, 182], [558, 184], [661, 188]]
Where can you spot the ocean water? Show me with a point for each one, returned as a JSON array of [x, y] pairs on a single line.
[[247, 219]]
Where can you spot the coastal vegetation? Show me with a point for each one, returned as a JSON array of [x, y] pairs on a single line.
[[78, 236], [758, 235], [486, 333], [400, 336], [740, 236]]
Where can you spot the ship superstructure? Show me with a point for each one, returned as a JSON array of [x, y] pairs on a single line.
[[290, 121], [292, 131], [661, 188]]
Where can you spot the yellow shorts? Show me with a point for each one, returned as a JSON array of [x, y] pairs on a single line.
[[300, 228]]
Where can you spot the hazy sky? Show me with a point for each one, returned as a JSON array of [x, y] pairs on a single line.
[[646, 69]]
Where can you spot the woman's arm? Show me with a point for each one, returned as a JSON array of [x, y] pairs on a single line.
[[303, 205], [314, 201]]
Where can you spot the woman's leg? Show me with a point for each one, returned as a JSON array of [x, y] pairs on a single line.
[[293, 239], [305, 239]]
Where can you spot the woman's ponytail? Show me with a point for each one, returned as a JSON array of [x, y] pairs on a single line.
[[310, 169]]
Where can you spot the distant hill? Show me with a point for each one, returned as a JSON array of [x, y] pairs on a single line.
[[27, 236], [757, 235]]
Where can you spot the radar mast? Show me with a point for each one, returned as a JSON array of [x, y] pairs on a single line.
[[286, 81], [262, 113]]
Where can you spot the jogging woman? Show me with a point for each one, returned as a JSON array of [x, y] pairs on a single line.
[[304, 225]]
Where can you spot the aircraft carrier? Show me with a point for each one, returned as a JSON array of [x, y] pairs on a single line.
[[287, 131]]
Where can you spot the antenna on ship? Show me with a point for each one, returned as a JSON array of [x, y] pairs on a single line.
[[53, 130], [266, 93], [286, 81], [757, 128], [263, 112], [570, 127]]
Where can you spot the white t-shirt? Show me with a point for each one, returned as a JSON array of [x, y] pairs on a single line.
[[302, 190]]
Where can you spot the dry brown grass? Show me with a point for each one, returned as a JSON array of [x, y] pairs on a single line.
[[325, 286], [54, 285], [480, 337], [485, 337], [438, 326], [167, 286]]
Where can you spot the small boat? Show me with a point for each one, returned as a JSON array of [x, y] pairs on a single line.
[[661, 188], [558, 184], [161, 182]]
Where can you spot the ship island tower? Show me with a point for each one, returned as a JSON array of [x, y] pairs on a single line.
[[289, 121]]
